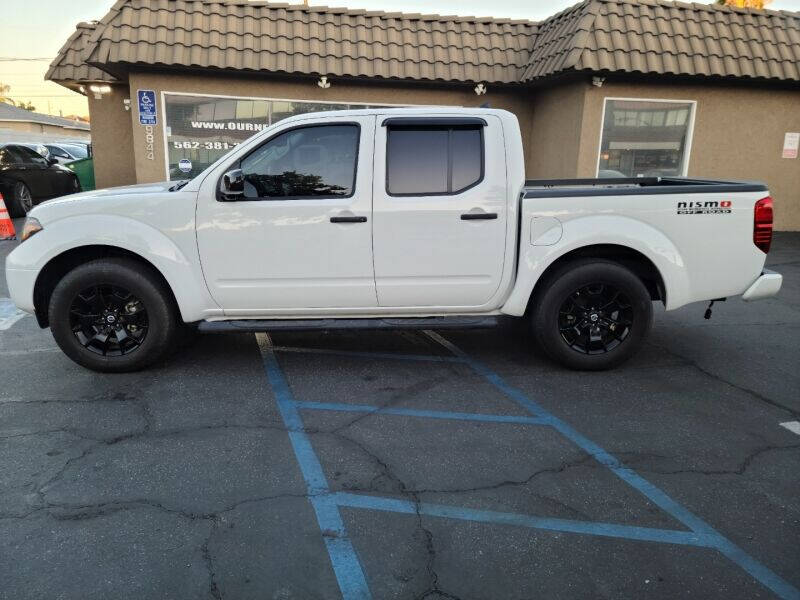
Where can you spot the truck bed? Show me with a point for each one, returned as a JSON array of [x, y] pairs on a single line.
[[549, 188]]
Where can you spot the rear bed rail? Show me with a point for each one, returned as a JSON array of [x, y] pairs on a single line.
[[627, 186]]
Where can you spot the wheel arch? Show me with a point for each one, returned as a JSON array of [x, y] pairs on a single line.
[[634, 260], [61, 264]]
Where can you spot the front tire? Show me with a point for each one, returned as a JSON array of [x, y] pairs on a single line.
[[591, 315], [113, 315]]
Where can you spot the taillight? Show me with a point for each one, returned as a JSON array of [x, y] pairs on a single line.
[[762, 224]]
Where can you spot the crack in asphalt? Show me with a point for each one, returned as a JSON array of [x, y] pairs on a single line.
[[758, 396]]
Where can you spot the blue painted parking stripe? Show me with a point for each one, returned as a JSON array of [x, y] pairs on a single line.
[[761, 573], [627, 532], [379, 355], [344, 559], [428, 414]]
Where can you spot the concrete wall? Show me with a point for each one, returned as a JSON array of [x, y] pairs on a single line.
[[556, 130], [42, 131], [112, 139], [148, 170]]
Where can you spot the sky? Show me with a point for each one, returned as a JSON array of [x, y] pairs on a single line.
[[36, 29]]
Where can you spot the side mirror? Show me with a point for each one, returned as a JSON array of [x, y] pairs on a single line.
[[52, 160], [231, 186]]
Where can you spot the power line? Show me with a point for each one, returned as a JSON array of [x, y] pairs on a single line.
[[23, 96], [16, 58]]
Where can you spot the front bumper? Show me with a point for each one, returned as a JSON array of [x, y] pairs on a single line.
[[20, 287], [766, 286]]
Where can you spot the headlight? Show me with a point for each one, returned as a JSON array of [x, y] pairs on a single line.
[[30, 227]]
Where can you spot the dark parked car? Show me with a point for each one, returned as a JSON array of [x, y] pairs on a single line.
[[27, 178]]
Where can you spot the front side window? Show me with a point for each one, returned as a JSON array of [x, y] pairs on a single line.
[[645, 138], [56, 151], [317, 161], [433, 160]]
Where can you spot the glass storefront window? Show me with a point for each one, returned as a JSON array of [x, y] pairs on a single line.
[[645, 138], [200, 129]]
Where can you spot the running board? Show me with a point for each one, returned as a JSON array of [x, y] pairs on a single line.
[[251, 326]]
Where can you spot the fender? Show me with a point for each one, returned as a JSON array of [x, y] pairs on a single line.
[[170, 256], [593, 230]]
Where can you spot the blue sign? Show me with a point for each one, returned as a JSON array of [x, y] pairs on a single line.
[[147, 107]]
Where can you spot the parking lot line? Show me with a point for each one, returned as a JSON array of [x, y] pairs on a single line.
[[427, 414], [793, 426], [346, 566], [387, 355], [628, 532], [344, 560], [765, 576], [9, 313]]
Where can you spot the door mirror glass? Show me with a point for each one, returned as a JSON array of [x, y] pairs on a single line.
[[231, 186]]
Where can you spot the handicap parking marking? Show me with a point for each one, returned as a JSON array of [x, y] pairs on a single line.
[[9, 313], [326, 503], [793, 426]]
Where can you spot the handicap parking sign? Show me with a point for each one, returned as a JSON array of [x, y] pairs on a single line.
[[147, 107]]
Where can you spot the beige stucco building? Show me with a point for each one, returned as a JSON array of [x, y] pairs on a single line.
[[607, 87]]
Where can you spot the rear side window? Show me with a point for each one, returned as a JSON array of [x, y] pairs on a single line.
[[435, 160], [8, 157]]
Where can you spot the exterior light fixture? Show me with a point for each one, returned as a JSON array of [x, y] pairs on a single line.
[[324, 83], [126, 102], [598, 81], [99, 90], [480, 89]]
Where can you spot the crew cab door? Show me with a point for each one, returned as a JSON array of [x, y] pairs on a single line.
[[300, 236], [440, 210]]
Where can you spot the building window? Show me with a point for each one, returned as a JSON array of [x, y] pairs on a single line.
[[433, 160], [307, 162], [200, 129], [645, 138]]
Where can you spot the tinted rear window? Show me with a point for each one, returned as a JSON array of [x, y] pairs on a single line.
[[435, 160]]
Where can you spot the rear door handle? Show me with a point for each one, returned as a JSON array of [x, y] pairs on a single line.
[[352, 219], [482, 216]]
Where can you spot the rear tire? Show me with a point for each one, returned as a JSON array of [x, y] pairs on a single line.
[[113, 315], [21, 201], [591, 315]]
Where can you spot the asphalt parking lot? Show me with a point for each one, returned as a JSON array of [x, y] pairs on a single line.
[[452, 464]]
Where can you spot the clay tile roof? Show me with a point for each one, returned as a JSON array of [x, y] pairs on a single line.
[[69, 64], [631, 36], [660, 37], [313, 40]]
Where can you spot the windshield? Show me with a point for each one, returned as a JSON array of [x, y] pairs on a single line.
[[76, 150]]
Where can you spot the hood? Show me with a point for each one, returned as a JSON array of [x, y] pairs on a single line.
[[123, 190], [109, 200]]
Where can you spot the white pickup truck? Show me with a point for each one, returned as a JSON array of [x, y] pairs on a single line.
[[385, 218]]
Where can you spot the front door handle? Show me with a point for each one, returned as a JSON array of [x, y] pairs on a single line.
[[352, 219], [481, 216]]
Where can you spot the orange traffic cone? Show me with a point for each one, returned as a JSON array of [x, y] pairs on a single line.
[[6, 226]]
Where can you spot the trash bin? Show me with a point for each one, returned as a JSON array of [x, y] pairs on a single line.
[[84, 169]]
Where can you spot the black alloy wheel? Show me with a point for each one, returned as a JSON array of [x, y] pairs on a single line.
[[108, 320], [591, 314], [114, 315], [595, 319]]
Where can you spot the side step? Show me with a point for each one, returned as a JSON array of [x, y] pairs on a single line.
[[252, 326]]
